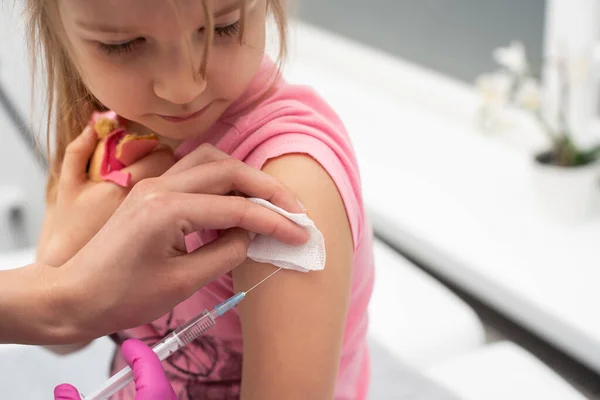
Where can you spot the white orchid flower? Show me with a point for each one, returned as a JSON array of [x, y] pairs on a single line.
[[494, 88], [529, 95], [512, 57]]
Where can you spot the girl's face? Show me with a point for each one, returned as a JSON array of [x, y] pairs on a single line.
[[142, 58]]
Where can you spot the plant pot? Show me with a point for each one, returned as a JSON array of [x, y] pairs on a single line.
[[569, 194]]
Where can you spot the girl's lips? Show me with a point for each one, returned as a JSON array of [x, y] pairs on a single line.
[[183, 118]]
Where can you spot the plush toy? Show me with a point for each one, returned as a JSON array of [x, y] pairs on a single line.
[[117, 149]]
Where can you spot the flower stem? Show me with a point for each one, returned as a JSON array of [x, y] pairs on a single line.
[[546, 128], [563, 100]]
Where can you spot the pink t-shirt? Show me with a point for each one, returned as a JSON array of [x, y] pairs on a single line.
[[259, 126]]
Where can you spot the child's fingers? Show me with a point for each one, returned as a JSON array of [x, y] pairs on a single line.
[[77, 156], [202, 155], [152, 165]]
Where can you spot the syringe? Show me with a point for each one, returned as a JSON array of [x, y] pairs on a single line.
[[173, 342]]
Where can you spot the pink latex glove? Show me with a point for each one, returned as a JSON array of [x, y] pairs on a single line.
[[150, 380]]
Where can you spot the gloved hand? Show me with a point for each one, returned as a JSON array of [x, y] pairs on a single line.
[[150, 380]]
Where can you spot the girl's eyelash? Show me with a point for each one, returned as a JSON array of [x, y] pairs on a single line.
[[127, 47], [229, 30], [120, 48]]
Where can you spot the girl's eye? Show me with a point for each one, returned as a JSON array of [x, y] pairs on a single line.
[[120, 48], [228, 30], [127, 47]]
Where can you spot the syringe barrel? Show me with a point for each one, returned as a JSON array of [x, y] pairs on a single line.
[[116, 382], [167, 346], [195, 327], [170, 344]]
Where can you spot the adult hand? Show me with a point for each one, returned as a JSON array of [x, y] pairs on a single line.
[[137, 268], [151, 382]]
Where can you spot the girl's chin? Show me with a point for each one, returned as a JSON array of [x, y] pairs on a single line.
[[170, 143]]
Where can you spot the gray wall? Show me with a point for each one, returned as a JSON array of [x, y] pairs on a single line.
[[455, 37]]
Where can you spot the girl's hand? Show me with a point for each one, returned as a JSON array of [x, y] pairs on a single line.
[[82, 206], [151, 382]]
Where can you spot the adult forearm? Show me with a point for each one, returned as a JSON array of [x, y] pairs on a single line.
[[35, 307]]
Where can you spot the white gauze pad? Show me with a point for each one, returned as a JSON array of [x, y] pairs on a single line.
[[304, 258]]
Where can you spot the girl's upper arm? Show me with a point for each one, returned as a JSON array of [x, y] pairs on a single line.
[[293, 325]]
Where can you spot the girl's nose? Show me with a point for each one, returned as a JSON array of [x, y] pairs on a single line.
[[179, 81]]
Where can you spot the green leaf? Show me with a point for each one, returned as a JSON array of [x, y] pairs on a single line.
[[595, 151]]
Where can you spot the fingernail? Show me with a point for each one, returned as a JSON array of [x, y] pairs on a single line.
[[301, 205], [252, 235]]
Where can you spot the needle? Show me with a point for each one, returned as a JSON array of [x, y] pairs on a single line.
[[270, 275]]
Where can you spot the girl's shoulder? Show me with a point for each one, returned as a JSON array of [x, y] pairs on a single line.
[[287, 103]]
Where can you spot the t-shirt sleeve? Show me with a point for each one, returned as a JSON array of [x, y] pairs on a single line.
[[337, 161]]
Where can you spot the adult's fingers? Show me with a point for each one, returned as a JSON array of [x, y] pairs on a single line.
[[150, 166], [229, 175], [235, 176], [197, 212], [203, 154], [213, 259], [77, 156], [151, 383]]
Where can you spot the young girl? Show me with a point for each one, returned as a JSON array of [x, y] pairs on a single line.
[[195, 73]]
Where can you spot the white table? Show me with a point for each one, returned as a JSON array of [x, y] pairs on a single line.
[[474, 222], [457, 200], [501, 371], [415, 318]]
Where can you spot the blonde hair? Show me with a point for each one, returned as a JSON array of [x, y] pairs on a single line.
[[68, 99]]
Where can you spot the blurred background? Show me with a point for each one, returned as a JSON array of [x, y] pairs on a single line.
[[487, 255], [453, 37]]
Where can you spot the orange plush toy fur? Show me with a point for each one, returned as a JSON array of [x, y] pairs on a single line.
[[117, 149]]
